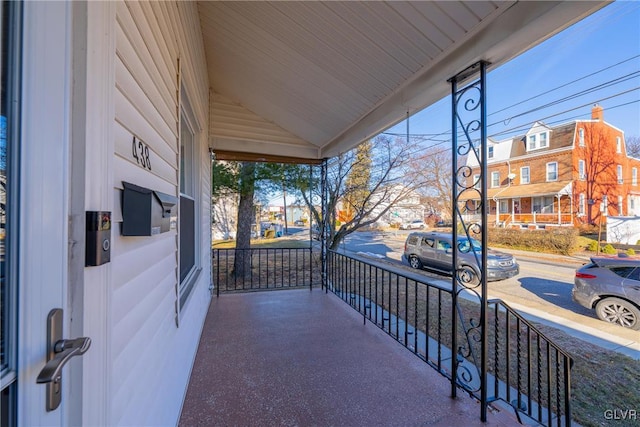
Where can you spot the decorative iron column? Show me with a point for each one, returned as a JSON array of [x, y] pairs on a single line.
[[469, 198], [323, 226]]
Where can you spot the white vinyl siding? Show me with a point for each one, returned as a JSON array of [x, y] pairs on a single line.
[[151, 40]]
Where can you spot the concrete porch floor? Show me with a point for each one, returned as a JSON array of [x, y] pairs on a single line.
[[301, 358]]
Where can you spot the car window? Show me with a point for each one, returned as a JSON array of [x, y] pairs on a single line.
[[427, 242], [443, 245], [412, 240], [622, 271], [634, 275]]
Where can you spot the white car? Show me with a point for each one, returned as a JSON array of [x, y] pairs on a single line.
[[415, 224]]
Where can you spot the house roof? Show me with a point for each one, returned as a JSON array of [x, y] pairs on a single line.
[[561, 137], [528, 190], [310, 80]]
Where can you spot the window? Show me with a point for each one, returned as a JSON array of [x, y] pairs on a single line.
[[10, 30], [552, 171], [581, 174], [524, 175], [504, 206], [581, 137], [495, 179], [188, 229], [618, 145], [582, 208], [620, 179], [476, 182], [543, 204], [543, 140], [620, 212], [426, 241], [490, 148], [532, 143], [634, 176]]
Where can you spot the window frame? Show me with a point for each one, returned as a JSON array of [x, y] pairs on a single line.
[[495, 179], [528, 175], [189, 202], [634, 176], [618, 144], [620, 174], [581, 137], [555, 164], [582, 176]]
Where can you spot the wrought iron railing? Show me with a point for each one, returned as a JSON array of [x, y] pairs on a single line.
[[268, 268], [525, 368], [529, 371]]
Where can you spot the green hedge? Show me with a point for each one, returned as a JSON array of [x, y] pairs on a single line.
[[557, 240]]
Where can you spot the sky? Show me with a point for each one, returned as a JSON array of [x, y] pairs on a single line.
[[597, 60]]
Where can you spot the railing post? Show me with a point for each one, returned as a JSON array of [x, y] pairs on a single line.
[[469, 112], [323, 229]]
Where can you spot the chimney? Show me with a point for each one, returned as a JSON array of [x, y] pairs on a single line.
[[597, 113]]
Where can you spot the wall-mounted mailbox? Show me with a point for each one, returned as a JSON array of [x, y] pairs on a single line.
[[145, 212], [98, 238]]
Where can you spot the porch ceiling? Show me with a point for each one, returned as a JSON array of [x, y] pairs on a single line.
[[313, 79]]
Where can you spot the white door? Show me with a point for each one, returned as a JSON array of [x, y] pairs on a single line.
[[35, 113]]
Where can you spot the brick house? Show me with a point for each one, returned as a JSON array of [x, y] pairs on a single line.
[[559, 175]]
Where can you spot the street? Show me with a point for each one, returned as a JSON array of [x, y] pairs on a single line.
[[542, 290]]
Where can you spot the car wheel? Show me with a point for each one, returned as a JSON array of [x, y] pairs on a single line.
[[468, 276], [619, 311], [415, 262]]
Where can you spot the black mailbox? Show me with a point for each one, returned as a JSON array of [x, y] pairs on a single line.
[[145, 212]]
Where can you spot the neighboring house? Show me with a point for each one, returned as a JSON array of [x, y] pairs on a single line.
[[405, 203], [559, 175]]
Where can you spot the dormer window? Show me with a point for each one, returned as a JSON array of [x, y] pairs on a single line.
[[536, 141], [543, 140], [490, 152]]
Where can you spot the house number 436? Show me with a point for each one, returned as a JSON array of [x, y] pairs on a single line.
[[140, 152]]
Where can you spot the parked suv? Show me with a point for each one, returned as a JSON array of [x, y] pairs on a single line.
[[416, 223], [433, 251], [611, 286]]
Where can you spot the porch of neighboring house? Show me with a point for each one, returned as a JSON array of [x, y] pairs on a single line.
[[301, 357], [542, 206]]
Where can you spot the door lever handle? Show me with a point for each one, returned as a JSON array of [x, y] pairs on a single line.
[[59, 351], [63, 351]]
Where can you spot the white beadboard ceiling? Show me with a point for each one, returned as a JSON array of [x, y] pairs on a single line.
[[312, 79]]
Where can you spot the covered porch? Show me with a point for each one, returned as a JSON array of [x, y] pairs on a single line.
[[301, 357]]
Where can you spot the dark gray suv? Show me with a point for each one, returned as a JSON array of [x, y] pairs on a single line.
[[611, 287], [433, 250]]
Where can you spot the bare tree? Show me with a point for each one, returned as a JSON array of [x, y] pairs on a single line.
[[633, 146], [390, 181], [433, 171]]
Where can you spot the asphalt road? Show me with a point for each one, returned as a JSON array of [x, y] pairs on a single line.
[[542, 289]]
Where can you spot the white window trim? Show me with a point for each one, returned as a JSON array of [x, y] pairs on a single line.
[[619, 174], [581, 137], [634, 176], [547, 171], [618, 144], [581, 170], [495, 174], [528, 169]]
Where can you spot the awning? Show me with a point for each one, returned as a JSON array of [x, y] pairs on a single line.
[[526, 190]]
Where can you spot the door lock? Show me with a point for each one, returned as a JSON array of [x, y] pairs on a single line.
[[59, 351]]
